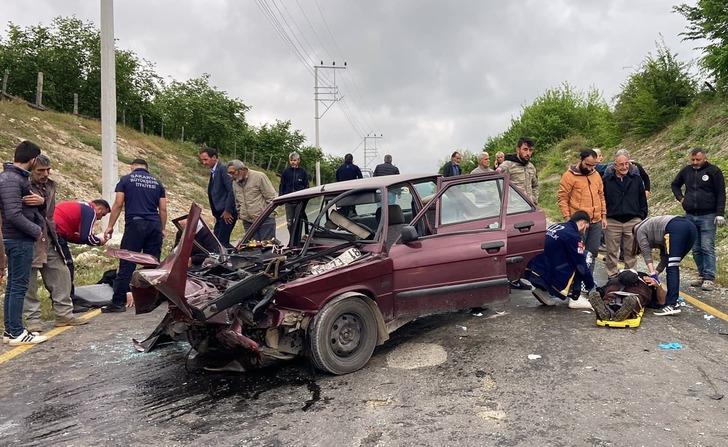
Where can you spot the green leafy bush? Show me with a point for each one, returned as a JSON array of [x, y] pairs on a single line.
[[558, 114], [654, 95]]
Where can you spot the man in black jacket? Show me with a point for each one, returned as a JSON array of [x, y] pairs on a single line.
[[704, 205], [348, 171], [452, 167], [386, 168], [624, 194], [21, 227], [220, 195], [294, 178]]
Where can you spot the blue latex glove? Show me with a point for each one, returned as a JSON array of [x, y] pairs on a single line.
[[656, 277]]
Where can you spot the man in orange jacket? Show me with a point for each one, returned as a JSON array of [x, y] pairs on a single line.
[[581, 188]]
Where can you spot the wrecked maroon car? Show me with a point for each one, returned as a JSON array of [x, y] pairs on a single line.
[[351, 262]]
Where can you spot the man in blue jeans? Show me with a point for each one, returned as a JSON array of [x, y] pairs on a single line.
[[21, 226], [144, 201], [704, 205]]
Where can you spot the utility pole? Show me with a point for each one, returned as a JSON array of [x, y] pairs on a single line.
[[370, 152], [5, 82], [325, 94], [109, 170], [39, 90]]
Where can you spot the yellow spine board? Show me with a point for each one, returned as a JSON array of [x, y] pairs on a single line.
[[631, 322]]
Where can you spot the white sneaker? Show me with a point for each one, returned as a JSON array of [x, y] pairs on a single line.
[[27, 338], [581, 303], [667, 310], [7, 337]]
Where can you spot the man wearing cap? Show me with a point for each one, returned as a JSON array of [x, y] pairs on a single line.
[[253, 192], [144, 201]]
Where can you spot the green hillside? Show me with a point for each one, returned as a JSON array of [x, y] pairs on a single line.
[[74, 147], [702, 124]]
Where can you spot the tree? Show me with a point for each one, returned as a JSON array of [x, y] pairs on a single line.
[[709, 20], [208, 115], [654, 95], [558, 114], [68, 52]]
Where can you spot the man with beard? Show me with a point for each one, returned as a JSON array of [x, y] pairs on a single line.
[[47, 255], [522, 172], [704, 205], [581, 188], [559, 272], [253, 192], [452, 167]]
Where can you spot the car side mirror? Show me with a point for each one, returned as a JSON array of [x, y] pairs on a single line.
[[409, 234]]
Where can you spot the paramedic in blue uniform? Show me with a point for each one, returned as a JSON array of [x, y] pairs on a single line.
[[560, 270], [144, 201]]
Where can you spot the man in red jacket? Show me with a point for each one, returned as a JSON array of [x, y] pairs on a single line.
[[75, 223]]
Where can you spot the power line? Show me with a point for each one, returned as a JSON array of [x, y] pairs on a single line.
[[273, 20], [288, 29], [306, 51]]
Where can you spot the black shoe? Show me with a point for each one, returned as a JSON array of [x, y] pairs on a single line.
[[520, 285], [112, 309], [78, 309]]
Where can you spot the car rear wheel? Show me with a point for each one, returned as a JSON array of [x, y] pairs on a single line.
[[343, 336]]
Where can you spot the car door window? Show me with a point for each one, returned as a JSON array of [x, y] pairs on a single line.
[[470, 201], [516, 203]]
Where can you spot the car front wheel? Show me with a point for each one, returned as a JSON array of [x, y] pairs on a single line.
[[343, 336]]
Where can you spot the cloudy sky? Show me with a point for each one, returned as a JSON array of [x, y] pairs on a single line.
[[429, 76]]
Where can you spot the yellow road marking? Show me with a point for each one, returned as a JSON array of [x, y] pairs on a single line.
[[50, 334], [706, 307]]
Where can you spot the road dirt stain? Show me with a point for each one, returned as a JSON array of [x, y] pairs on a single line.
[[416, 355]]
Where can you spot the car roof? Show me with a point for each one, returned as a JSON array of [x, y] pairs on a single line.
[[362, 183]]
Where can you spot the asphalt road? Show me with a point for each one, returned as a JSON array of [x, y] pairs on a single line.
[[456, 379]]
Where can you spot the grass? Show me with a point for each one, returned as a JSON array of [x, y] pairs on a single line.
[[176, 163]]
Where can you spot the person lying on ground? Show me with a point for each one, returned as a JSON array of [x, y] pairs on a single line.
[[625, 295]]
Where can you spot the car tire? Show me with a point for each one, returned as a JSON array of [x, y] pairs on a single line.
[[343, 336]]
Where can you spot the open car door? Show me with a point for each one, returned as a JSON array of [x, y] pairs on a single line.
[[457, 257]]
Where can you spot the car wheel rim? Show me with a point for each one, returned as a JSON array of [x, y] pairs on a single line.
[[346, 335]]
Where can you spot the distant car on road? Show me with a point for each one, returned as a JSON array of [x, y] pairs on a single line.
[[360, 259], [366, 173]]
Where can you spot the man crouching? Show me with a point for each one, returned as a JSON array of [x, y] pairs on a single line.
[[561, 269]]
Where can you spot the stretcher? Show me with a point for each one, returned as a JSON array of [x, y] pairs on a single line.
[[630, 322]]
